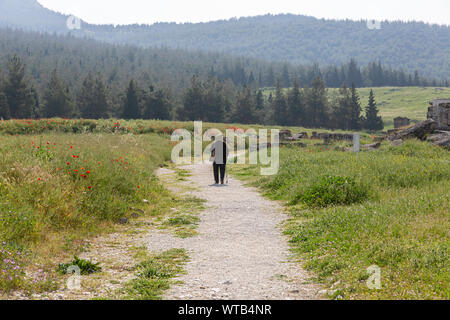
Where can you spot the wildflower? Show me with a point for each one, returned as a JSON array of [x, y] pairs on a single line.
[[68, 163], [39, 179], [139, 187], [89, 187], [88, 172]]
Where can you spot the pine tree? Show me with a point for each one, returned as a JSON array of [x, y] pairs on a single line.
[[245, 107], [372, 120], [279, 106], [341, 114], [259, 100], [161, 105], [295, 106], [213, 101], [285, 77], [355, 111], [57, 102], [354, 73], [17, 91], [270, 77], [131, 109], [193, 101], [317, 104], [93, 98], [4, 107]]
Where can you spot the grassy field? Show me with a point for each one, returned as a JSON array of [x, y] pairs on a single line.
[[63, 181], [411, 102], [56, 189], [388, 208]]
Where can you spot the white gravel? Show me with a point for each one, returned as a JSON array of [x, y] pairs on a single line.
[[240, 252]]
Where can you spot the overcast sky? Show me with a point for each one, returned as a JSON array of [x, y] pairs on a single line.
[[151, 11]]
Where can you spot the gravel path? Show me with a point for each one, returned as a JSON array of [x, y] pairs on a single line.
[[240, 252]]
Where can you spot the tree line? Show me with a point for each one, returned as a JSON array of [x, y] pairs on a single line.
[[209, 100], [310, 106], [75, 58]]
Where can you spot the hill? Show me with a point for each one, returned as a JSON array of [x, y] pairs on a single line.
[[287, 38], [411, 102]]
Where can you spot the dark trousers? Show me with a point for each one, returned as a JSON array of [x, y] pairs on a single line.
[[217, 168]]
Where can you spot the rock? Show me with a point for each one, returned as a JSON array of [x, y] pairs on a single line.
[[439, 111], [372, 146], [397, 143], [227, 283], [134, 215], [445, 143], [323, 292], [295, 291], [285, 134], [419, 131], [298, 136], [123, 220], [145, 201], [440, 138]]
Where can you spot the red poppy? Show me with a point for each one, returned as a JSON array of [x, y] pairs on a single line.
[[89, 187], [139, 187], [88, 172], [68, 163]]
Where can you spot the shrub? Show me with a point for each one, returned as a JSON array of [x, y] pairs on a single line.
[[333, 190], [86, 267]]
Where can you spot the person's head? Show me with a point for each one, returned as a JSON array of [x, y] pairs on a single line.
[[219, 138]]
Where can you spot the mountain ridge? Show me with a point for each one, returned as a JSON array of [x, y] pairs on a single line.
[[296, 39]]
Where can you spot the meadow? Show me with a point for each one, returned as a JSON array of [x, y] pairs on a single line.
[[347, 212], [64, 181], [57, 189]]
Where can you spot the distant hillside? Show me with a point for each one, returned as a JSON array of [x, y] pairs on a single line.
[[291, 38], [30, 15]]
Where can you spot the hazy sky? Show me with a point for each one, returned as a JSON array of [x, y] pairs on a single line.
[[150, 11]]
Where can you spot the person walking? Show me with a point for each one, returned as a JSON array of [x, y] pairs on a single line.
[[219, 154]]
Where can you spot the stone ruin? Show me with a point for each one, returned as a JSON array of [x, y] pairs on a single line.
[[439, 111], [436, 129], [401, 122], [286, 135]]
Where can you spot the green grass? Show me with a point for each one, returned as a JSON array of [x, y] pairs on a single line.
[[154, 275], [410, 102], [55, 187], [401, 226]]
